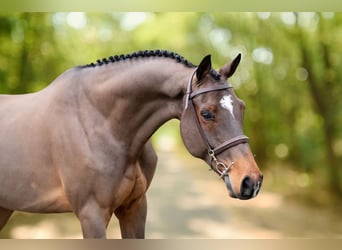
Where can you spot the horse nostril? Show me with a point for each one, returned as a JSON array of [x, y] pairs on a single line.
[[247, 188], [250, 187]]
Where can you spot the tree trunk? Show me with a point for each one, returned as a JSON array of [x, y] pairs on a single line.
[[319, 88]]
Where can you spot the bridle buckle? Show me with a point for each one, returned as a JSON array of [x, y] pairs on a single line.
[[219, 164]]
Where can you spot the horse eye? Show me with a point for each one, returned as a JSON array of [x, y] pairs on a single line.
[[207, 115]]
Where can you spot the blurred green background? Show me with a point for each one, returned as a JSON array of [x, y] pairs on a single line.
[[290, 78]]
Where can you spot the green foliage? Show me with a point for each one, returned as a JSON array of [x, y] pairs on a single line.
[[290, 75]]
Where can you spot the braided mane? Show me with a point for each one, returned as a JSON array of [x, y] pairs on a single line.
[[142, 54], [146, 54]]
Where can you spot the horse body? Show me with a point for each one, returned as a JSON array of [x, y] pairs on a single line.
[[70, 145], [82, 143]]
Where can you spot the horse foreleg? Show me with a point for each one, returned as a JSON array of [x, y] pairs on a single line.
[[132, 219], [5, 214], [94, 220]]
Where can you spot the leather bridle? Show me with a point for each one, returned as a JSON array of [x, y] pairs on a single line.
[[219, 167]]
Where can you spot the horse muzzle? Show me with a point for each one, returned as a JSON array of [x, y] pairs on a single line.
[[249, 187]]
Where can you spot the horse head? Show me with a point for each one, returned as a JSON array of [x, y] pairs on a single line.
[[211, 128]]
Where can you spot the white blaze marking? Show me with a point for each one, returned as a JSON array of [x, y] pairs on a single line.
[[227, 103]]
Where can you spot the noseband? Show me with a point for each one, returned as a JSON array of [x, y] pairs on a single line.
[[219, 167]]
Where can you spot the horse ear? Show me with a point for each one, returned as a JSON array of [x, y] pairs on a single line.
[[204, 67], [228, 69]]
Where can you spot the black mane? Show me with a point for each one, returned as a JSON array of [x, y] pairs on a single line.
[[146, 54], [142, 54]]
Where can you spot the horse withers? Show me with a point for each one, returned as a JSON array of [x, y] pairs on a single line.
[[82, 143]]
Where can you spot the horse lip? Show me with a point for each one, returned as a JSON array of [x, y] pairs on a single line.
[[229, 187]]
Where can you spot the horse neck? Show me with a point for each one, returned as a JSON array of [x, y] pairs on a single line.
[[137, 97]]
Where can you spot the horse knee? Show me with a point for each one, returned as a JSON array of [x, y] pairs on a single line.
[[94, 221]]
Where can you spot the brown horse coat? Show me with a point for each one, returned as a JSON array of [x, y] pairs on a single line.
[[82, 143]]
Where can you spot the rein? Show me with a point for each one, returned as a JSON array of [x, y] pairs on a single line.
[[219, 167]]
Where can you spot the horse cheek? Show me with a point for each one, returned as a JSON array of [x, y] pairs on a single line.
[[191, 136]]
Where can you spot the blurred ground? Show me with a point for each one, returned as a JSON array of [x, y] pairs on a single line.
[[188, 201]]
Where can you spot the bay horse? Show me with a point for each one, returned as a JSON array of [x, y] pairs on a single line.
[[82, 144]]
